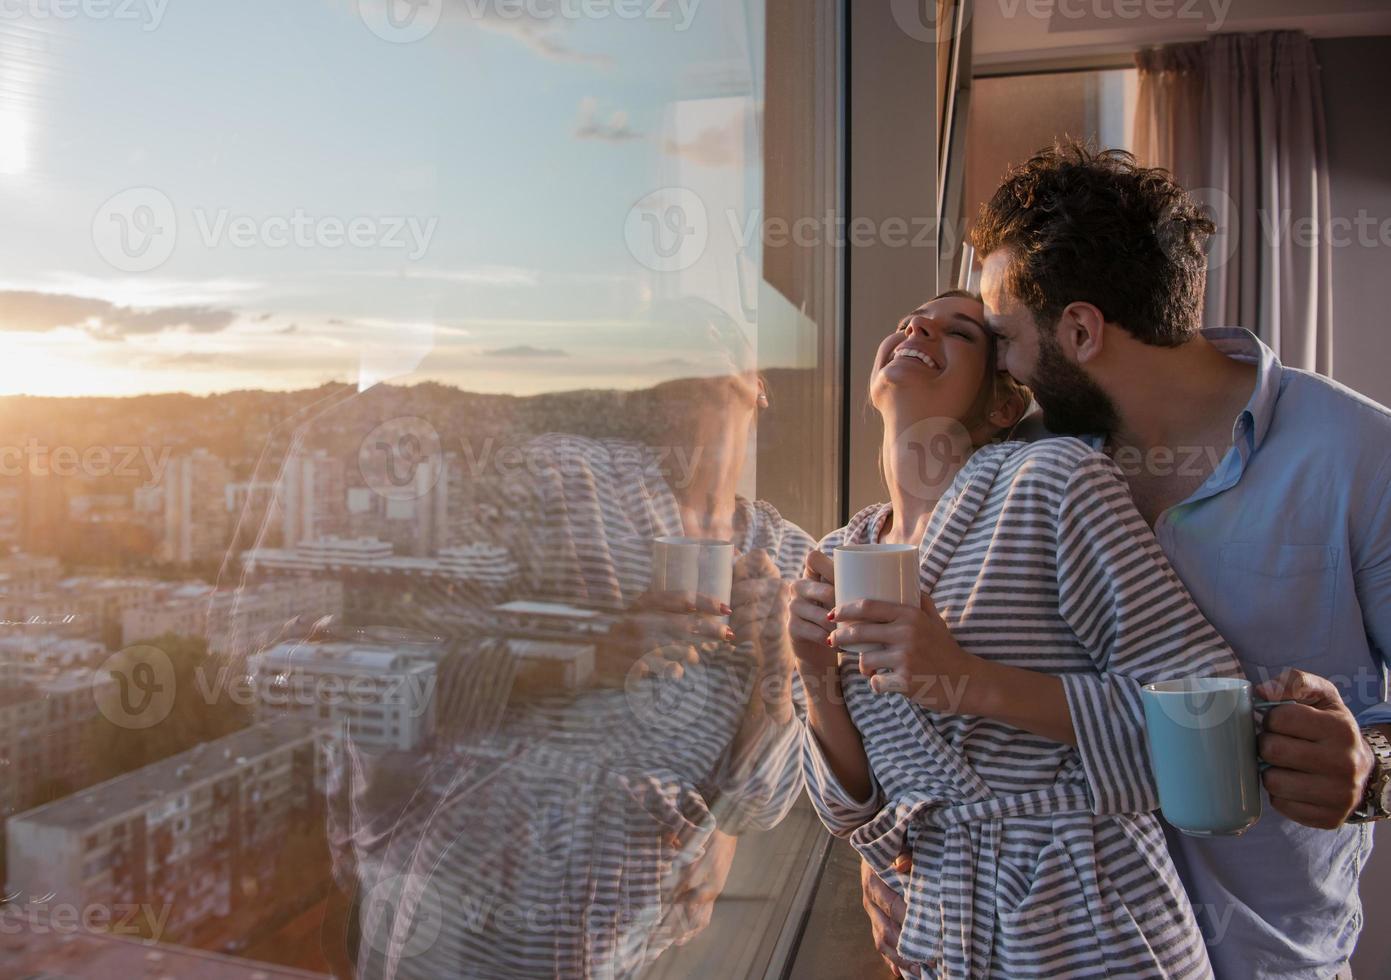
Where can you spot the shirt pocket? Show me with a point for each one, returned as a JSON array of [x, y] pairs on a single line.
[[1276, 601]]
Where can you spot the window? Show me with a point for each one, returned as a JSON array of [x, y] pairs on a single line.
[[1012, 116], [406, 322]]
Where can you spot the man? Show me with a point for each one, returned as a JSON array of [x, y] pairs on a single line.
[[1269, 489]]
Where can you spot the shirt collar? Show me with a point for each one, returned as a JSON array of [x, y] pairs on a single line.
[[1251, 425], [1241, 344]]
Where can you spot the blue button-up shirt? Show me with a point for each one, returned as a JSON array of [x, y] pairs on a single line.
[[1287, 549]]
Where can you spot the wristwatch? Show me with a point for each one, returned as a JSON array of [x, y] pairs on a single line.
[[1376, 801]]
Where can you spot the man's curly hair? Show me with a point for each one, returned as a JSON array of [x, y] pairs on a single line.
[[1086, 225]]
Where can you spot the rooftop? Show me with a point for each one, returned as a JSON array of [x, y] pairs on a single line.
[[176, 774]]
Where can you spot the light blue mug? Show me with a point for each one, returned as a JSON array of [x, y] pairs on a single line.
[[1202, 742]]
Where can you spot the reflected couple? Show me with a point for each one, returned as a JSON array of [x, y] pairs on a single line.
[[580, 821]]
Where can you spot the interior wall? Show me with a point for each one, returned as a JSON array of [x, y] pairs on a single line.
[[1356, 76]]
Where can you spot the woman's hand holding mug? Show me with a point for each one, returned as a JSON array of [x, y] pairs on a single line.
[[813, 597]]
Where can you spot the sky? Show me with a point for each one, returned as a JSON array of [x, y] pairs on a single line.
[[203, 196]]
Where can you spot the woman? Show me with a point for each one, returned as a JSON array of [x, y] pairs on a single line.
[[996, 735], [587, 830]]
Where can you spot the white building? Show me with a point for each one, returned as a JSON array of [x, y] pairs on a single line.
[[37, 653], [381, 697]]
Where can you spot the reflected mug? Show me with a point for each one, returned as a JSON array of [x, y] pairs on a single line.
[[1202, 742], [701, 566], [888, 572]]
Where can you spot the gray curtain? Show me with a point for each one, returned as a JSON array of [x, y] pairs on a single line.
[[1238, 119]]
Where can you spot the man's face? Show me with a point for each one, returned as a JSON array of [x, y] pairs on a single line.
[[1072, 403]]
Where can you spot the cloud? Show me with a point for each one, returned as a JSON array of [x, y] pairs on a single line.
[[616, 130], [714, 146], [526, 350], [36, 312], [290, 329], [540, 36]]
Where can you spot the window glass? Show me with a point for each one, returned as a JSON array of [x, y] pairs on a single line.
[[1012, 116], [382, 375]]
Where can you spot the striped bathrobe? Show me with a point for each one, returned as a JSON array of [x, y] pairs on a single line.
[[1032, 858], [549, 846]]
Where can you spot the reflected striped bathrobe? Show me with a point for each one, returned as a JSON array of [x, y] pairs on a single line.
[[1032, 858], [550, 846]]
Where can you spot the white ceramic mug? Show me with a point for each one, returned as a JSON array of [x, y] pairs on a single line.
[[888, 572], [702, 566]]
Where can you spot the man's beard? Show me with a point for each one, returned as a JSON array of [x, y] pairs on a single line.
[[1073, 404]]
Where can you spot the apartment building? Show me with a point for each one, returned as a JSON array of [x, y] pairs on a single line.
[[189, 833], [381, 697], [44, 719], [196, 523], [233, 621]]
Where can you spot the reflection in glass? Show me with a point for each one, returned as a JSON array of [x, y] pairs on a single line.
[[359, 356]]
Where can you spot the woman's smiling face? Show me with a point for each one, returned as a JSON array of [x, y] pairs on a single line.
[[936, 362]]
